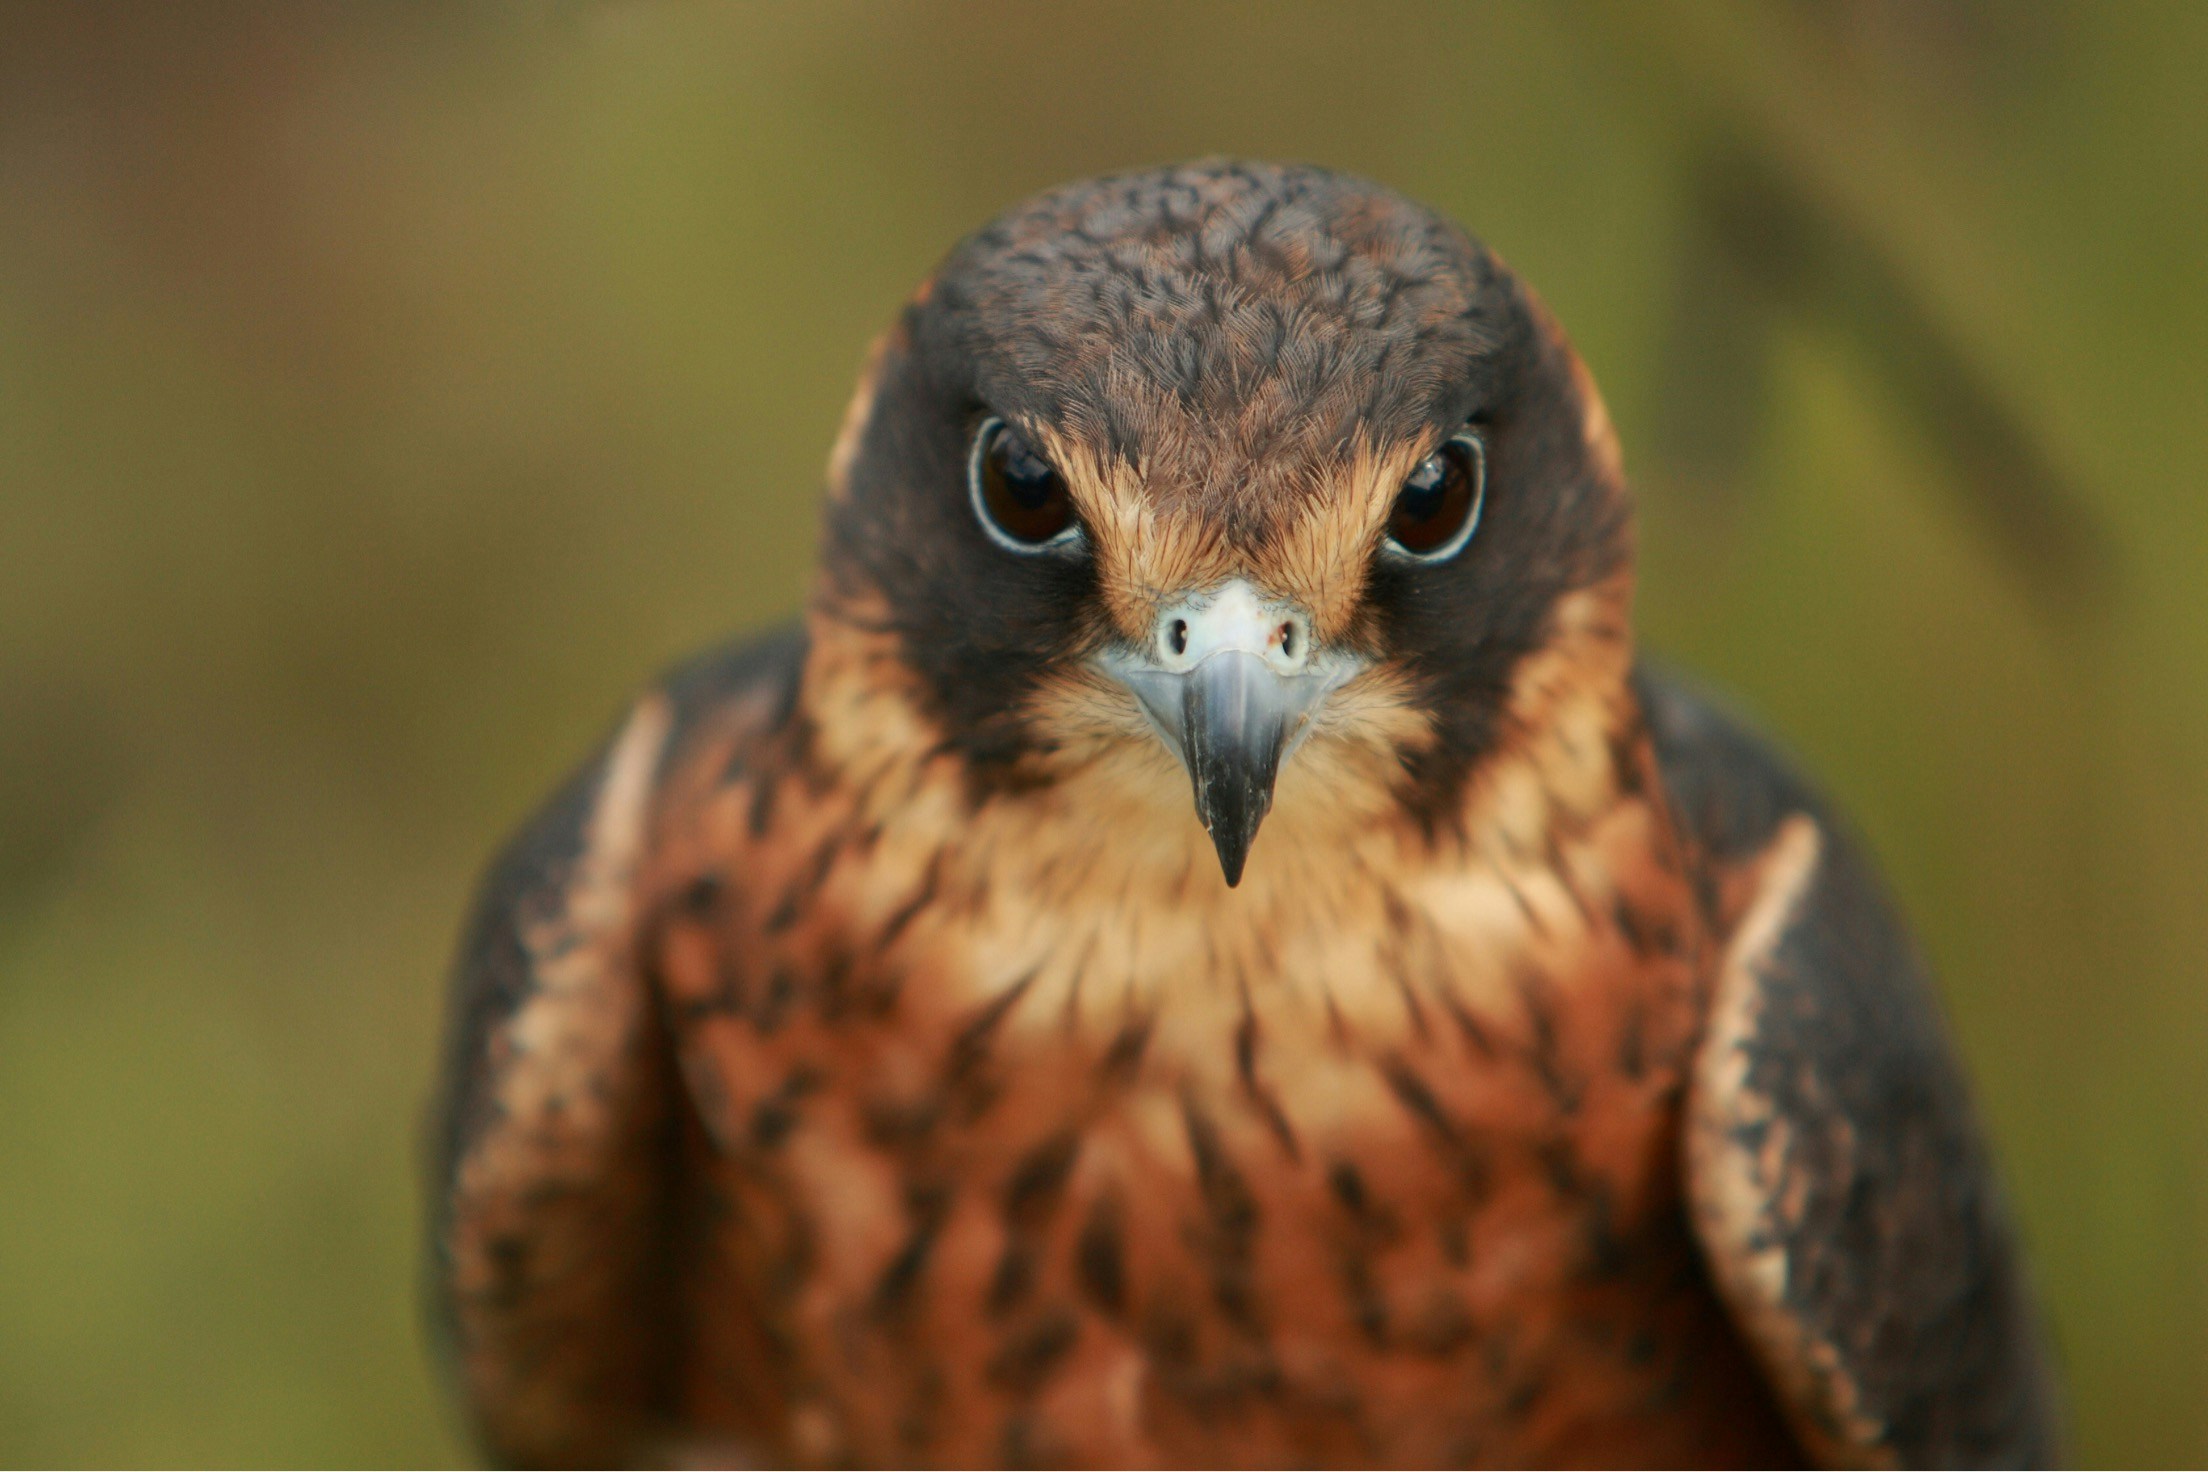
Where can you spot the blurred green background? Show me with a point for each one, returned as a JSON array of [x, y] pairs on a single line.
[[386, 390]]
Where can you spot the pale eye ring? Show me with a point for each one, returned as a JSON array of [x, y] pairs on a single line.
[[1019, 498], [1438, 509]]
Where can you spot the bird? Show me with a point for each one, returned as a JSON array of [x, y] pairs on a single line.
[[1206, 943]]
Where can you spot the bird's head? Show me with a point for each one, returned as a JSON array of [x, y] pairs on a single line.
[[1265, 468]]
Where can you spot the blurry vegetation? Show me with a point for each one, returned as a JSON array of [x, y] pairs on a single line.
[[386, 390]]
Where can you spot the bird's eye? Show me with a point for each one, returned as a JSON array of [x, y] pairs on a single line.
[[1021, 500], [1438, 508]]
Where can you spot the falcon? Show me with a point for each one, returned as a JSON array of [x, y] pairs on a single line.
[[1206, 946]]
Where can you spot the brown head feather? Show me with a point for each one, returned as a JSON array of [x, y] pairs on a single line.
[[1235, 367]]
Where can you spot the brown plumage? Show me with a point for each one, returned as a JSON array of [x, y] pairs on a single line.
[[869, 1059]]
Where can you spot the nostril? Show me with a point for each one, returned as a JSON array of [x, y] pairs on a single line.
[[1176, 636]]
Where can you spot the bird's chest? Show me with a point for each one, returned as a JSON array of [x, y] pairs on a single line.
[[1095, 1175]]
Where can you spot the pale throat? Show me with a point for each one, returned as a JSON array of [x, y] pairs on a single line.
[[1095, 891]]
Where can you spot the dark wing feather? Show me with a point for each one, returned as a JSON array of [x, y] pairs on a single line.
[[556, 1190], [1838, 1179]]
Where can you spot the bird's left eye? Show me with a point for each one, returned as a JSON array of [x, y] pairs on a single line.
[[1019, 497], [1438, 508]]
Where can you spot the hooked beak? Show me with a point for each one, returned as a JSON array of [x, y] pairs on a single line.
[[1231, 684]]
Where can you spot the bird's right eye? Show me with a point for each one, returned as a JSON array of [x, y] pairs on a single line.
[[1019, 497], [1438, 508]]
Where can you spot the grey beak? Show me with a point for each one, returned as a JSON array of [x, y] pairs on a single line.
[[1230, 681], [1234, 727]]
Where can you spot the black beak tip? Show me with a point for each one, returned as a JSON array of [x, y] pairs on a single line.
[[1234, 852], [1233, 829], [1232, 743]]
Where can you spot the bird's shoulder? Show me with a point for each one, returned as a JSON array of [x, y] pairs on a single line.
[[557, 1128], [1838, 1176], [551, 875], [748, 683]]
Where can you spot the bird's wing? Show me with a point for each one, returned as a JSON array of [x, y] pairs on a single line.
[[1837, 1177], [560, 1124]]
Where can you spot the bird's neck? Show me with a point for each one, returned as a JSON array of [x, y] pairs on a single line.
[[1096, 888]]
